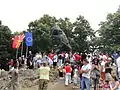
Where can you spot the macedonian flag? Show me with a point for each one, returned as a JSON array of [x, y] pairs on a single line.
[[17, 41], [21, 37]]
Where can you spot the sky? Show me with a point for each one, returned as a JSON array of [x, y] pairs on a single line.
[[17, 14]]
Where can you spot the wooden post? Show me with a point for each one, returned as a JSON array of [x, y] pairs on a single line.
[[26, 51], [16, 53], [22, 49]]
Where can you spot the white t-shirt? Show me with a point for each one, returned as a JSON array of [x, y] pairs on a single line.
[[103, 64], [72, 59], [55, 58], [50, 61], [104, 57], [118, 63], [37, 56], [89, 59], [39, 61], [75, 72], [101, 57], [66, 55], [86, 67]]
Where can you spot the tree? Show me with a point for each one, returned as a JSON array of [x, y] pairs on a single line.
[[41, 29], [110, 32], [81, 32], [5, 42]]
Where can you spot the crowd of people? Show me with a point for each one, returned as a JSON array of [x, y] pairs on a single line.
[[84, 71]]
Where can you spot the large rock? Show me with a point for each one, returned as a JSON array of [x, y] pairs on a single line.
[[3, 73], [27, 78]]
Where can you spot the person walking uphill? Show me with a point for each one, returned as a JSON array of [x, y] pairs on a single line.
[[44, 71], [85, 71]]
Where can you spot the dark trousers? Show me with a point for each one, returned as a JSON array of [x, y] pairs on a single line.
[[43, 84]]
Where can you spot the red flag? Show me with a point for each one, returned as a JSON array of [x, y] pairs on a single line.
[[16, 42], [21, 37]]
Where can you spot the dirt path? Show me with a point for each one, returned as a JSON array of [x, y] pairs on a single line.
[[58, 86]]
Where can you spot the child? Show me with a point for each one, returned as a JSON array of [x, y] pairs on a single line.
[[75, 77], [106, 85], [60, 72], [68, 70]]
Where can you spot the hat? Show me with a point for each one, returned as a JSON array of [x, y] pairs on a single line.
[[67, 63]]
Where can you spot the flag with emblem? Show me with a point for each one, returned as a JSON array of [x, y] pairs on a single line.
[[16, 42], [28, 39]]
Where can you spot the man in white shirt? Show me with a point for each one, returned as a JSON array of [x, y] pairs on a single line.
[[85, 70], [55, 60]]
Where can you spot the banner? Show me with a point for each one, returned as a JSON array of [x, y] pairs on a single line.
[[16, 42], [21, 37], [28, 39]]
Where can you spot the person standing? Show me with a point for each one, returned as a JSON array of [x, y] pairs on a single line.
[[85, 71], [75, 77], [55, 60], [114, 83], [68, 71], [44, 71], [60, 60], [30, 60], [103, 70], [11, 63], [96, 69], [14, 84]]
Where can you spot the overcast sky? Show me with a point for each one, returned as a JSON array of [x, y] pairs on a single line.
[[16, 14]]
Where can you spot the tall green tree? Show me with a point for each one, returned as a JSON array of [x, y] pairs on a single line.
[[82, 32], [5, 42], [110, 32]]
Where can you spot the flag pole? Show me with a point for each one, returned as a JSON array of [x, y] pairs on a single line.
[[22, 49], [16, 53], [26, 51]]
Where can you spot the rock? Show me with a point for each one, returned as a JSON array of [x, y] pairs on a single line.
[[3, 73], [27, 78]]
